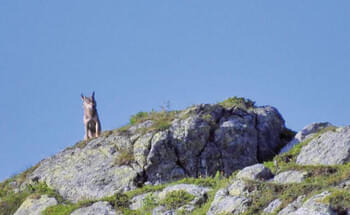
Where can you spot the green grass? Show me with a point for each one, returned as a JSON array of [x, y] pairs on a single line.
[[321, 178], [339, 201], [161, 120], [66, 209], [12, 201], [176, 199], [125, 156], [239, 102], [287, 160]]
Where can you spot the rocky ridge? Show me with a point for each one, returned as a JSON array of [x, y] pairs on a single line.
[[207, 159]]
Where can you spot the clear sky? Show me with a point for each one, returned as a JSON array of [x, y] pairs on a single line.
[[137, 55]]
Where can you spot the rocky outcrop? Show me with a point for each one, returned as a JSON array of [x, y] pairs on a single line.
[[292, 207], [35, 206], [273, 206], [291, 176], [330, 148], [255, 172], [305, 133], [101, 208], [315, 206], [200, 141], [224, 203]]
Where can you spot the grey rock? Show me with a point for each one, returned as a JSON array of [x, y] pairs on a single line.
[[270, 126], [255, 172], [161, 210], [233, 199], [330, 148], [273, 206], [201, 140], [240, 187], [100, 208], [292, 206], [306, 133], [237, 140], [315, 206], [228, 204], [90, 172], [35, 206], [291, 176], [136, 202], [345, 185]]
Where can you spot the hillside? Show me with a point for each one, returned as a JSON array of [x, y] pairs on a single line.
[[207, 159]]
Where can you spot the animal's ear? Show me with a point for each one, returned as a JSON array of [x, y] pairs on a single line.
[[93, 95], [82, 97]]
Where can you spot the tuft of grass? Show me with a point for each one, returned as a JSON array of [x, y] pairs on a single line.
[[239, 102], [161, 120], [176, 199], [145, 189], [139, 117], [66, 209], [125, 156], [339, 201]]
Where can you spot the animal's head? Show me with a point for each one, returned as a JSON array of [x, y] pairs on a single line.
[[89, 102]]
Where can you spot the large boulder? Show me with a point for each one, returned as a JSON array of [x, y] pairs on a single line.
[[290, 176], [224, 203], [255, 172], [330, 148], [305, 133], [35, 206], [200, 141]]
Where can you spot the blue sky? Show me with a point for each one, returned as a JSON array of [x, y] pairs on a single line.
[[137, 55]]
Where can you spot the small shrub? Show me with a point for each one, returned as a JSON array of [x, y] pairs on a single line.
[[12, 201], [339, 201], [66, 209], [145, 189], [125, 156], [148, 204], [239, 102], [161, 120], [121, 201], [139, 117], [176, 199]]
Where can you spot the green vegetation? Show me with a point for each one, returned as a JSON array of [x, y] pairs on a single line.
[[161, 120], [320, 178], [66, 209], [339, 200], [239, 102], [12, 201], [125, 156], [176, 199], [287, 160]]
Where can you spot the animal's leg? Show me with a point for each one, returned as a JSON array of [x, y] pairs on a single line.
[[89, 133], [86, 137], [98, 129]]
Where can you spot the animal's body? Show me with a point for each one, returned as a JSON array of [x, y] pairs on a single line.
[[91, 121]]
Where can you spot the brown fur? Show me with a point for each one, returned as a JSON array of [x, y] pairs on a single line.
[[91, 121]]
